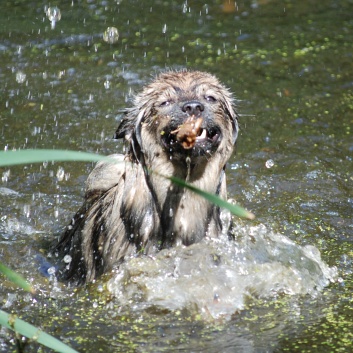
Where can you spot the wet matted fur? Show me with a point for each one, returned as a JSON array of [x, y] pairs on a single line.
[[128, 209]]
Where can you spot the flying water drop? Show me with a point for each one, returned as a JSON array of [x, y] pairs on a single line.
[[60, 174], [111, 35], [20, 77], [67, 259], [54, 15], [269, 163]]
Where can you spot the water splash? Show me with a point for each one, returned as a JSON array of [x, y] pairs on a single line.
[[217, 277]]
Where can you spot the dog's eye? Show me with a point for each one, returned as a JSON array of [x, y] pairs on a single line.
[[165, 103], [210, 99]]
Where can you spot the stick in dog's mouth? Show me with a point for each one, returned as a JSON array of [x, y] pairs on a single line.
[[189, 132]]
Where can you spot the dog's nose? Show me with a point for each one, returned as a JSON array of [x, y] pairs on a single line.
[[193, 108]]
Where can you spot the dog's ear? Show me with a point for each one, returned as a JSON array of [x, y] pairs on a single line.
[[231, 113], [130, 129], [234, 118], [130, 124], [127, 124]]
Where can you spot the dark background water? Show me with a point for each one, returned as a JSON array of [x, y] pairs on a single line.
[[290, 66]]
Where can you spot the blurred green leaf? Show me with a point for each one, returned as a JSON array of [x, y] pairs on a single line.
[[16, 278], [8, 158], [234, 209], [33, 333], [35, 156]]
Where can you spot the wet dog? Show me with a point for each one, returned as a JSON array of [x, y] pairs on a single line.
[[183, 125]]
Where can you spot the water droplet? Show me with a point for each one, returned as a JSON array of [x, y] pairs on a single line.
[[269, 163], [164, 29], [60, 174], [5, 176], [51, 270], [111, 35], [20, 77], [27, 210], [54, 15], [67, 259]]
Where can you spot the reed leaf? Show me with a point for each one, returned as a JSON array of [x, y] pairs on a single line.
[[16, 278], [8, 158], [33, 333], [216, 200], [35, 156]]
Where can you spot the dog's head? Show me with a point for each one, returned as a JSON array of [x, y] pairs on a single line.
[[186, 113]]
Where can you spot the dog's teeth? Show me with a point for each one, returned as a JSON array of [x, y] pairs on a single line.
[[203, 135], [215, 137]]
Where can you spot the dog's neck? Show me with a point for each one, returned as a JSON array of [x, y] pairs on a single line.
[[183, 215]]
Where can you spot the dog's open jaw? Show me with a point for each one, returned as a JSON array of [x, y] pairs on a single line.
[[191, 133], [191, 138]]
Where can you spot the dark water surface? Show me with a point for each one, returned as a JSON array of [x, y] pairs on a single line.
[[290, 65]]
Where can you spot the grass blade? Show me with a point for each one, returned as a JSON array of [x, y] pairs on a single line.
[[16, 278], [35, 156], [234, 209], [8, 158], [33, 333]]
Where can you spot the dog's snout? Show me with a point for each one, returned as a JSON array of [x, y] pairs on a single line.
[[193, 108]]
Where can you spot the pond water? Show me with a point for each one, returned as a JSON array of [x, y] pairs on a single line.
[[63, 83]]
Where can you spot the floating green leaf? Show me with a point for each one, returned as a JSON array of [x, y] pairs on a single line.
[[33, 333], [16, 278]]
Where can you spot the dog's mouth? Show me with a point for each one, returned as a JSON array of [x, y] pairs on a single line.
[[192, 136]]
